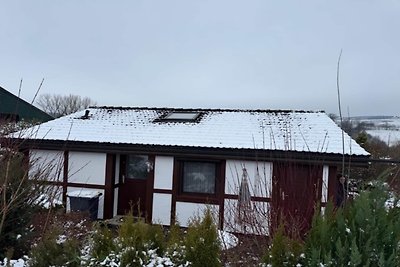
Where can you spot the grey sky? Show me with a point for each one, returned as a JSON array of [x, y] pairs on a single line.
[[222, 54]]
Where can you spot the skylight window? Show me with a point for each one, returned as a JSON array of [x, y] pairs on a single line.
[[180, 116]]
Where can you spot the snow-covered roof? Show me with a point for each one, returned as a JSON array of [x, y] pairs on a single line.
[[300, 131]]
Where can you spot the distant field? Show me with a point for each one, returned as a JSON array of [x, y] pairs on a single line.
[[386, 128]]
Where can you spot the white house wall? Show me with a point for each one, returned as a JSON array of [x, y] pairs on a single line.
[[49, 164], [325, 178], [75, 190], [163, 172], [163, 177], [259, 214], [259, 177], [162, 209], [186, 211], [85, 167]]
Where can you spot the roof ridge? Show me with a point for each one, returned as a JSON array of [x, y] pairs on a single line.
[[208, 109]]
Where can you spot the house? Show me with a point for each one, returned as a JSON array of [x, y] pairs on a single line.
[[13, 108], [249, 166]]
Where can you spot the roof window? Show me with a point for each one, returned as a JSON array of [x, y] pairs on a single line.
[[180, 116]]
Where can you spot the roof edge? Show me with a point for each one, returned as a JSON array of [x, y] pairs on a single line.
[[250, 154]]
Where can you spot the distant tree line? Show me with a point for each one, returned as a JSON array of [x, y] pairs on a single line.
[[60, 105]]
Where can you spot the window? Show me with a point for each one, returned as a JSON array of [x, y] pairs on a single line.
[[199, 177], [136, 166], [180, 116]]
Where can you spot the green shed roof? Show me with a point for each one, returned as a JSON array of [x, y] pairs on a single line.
[[12, 105]]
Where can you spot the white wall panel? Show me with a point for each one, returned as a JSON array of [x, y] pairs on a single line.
[[163, 172], [117, 168], [185, 211], [323, 211], [48, 164], [75, 190], [325, 178], [162, 208], [115, 201], [259, 177], [85, 167], [258, 218]]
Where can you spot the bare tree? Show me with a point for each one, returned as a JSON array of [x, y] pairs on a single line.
[[61, 105], [24, 187]]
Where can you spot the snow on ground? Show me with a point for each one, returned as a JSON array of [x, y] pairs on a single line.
[[13, 263], [390, 137], [227, 240]]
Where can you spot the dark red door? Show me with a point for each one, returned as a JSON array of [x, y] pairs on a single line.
[[296, 192], [134, 175]]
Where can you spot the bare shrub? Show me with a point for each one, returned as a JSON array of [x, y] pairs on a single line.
[[22, 193]]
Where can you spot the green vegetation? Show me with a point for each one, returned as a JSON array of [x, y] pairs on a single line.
[[202, 242], [53, 251], [284, 251], [365, 233], [136, 243]]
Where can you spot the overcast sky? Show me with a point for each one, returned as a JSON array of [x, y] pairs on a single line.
[[219, 54]]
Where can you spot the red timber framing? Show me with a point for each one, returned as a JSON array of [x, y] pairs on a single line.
[[296, 192], [299, 163], [65, 178], [332, 183], [109, 186], [149, 192]]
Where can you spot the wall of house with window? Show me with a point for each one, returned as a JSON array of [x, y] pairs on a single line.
[[184, 187], [238, 192]]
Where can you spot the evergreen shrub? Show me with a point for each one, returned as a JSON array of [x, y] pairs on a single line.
[[53, 251], [102, 242], [284, 251], [201, 242], [176, 249], [366, 232], [134, 244]]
